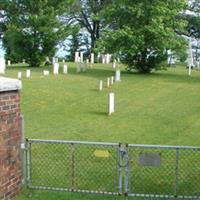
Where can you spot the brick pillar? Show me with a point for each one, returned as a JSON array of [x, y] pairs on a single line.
[[10, 138]]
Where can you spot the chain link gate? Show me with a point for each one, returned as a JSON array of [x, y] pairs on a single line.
[[115, 169]]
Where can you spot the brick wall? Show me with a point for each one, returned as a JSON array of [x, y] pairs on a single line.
[[10, 139]]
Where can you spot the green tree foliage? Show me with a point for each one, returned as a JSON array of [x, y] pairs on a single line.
[[33, 29], [87, 14], [141, 32], [193, 18]]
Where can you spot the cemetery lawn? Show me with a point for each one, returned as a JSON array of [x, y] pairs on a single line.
[[159, 108]]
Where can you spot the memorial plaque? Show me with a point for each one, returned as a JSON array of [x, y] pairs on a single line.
[[150, 159]]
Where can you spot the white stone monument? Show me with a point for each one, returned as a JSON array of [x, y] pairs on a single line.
[[111, 103], [190, 58], [198, 65], [9, 63], [2, 66], [19, 75], [56, 68], [53, 60], [65, 69], [114, 64], [111, 80], [100, 85], [81, 57], [76, 59], [28, 73], [78, 65], [45, 72], [63, 60], [117, 75], [108, 82], [92, 58]]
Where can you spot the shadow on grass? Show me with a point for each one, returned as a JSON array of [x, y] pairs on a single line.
[[99, 113]]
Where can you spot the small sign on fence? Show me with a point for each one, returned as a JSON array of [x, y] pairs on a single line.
[[150, 159]]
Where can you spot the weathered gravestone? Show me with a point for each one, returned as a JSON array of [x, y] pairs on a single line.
[[111, 103], [2, 66]]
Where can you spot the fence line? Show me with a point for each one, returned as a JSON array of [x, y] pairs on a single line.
[[152, 171]]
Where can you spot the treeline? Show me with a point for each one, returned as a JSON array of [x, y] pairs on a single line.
[[139, 32]]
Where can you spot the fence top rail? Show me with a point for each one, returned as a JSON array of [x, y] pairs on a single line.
[[163, 146], [71, 142]]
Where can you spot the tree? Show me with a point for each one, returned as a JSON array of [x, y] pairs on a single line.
[[87, 14], [141, 32], [33, 29]]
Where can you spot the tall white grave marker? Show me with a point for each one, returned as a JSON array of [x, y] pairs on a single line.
[[190, 58], [111, 80], [92, 58], [28, 73], [100, 85], [117, 75], [81, 57], [78, 65], [111, 103], [65, 69], [9, 63], [63, 60], [19, 75], [56, 68], [108, 82], [76, 57], [53, 60], [2, 65], [114, 64]]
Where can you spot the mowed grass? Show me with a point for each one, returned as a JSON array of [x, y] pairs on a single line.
[[158, 108]]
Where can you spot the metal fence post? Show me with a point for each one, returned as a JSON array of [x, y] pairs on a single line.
[[126, 178], [119, 170], [176, 174], [72, 166]]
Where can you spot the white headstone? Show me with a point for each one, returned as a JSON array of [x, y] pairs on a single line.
[[100, 85], [92, 58], [81, 57], [114, 65], [117, 75], [111, 103], [198, 64], [53, 60], [78, 65], [108, 82], [63, 61], [56, 68], [45, 72], [76, 57], [103, 57], [28, 73], [19, 75], [190, 58], [107, 58], [65, 69], [87, 61], [111, 80], [9, 63], [2, 65], [23, 61]]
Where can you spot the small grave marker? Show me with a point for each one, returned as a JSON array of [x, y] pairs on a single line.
[[28, 73], [111, 103]]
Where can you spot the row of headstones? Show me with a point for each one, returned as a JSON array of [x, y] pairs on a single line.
[[45, 72], [110, 80], [111, 96]]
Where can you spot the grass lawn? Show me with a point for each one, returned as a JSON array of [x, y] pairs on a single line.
[[158, 108]]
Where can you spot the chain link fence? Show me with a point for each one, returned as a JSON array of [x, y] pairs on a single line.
[[111, 168]]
